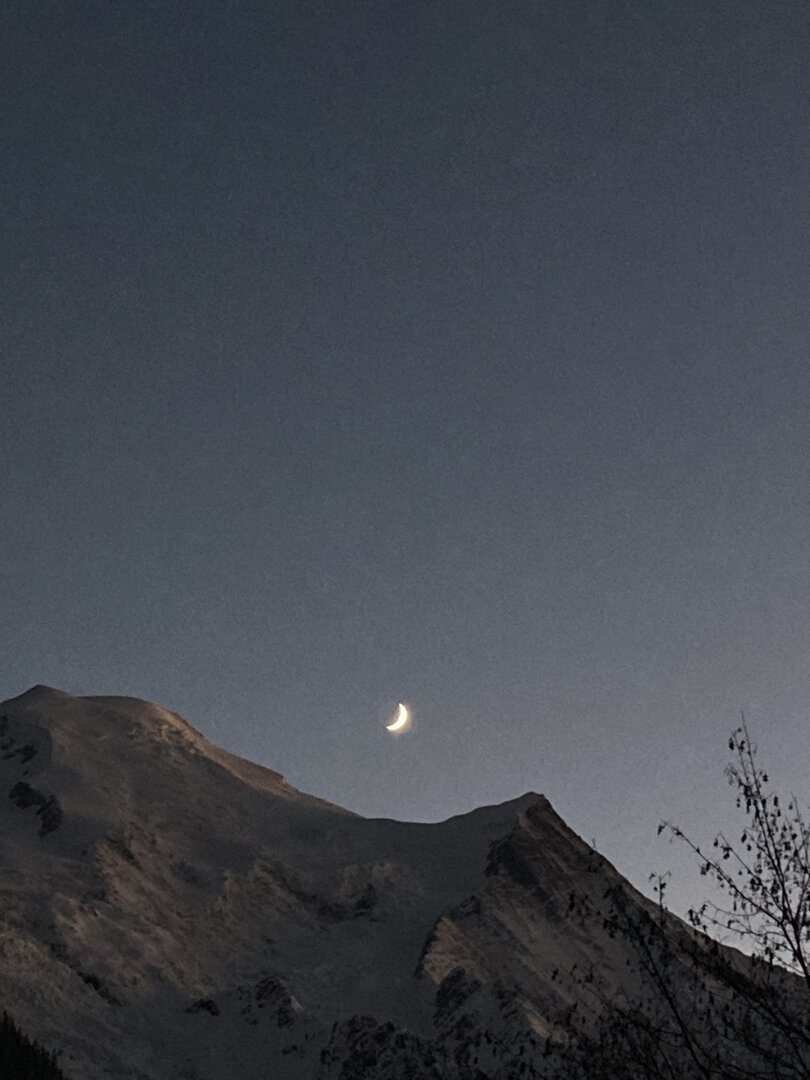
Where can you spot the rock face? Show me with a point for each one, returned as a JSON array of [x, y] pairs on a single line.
[[171, 912]]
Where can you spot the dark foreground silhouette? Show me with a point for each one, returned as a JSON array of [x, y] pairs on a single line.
[[23, 1059]]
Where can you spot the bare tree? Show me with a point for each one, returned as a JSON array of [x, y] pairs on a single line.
[[766, 875], [700, 1009]]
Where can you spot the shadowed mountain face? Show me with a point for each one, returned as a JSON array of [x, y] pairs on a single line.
[[168, 910]]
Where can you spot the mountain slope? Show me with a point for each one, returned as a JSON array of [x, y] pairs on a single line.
[[168, 910]]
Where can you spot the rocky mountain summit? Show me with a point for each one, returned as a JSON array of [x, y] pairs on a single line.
[[172, 912]]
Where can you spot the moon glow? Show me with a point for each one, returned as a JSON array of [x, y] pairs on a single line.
[[403, 719]]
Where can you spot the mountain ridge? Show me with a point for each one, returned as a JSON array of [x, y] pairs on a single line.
[[169, 911]]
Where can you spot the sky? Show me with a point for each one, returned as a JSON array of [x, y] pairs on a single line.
[[453, 353]]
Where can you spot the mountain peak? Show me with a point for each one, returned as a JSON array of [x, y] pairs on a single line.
[[40, 693], [170, 909]]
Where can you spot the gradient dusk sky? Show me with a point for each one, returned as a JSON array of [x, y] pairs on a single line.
[[450, 353]]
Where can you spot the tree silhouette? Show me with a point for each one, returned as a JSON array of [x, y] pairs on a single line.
[[705, 1010], [23, 1059]]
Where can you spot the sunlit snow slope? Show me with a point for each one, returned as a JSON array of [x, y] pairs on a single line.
[[171, 911]]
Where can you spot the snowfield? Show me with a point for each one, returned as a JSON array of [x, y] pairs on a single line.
[[171, 911]]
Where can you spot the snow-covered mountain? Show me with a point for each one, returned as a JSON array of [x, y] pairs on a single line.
[[168, 911]]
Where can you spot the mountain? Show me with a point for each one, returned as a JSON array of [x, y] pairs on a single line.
[[169, 911]]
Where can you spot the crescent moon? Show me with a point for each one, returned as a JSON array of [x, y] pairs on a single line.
[[402, 719]]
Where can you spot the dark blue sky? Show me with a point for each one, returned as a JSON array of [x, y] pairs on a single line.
[[454, 353]]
